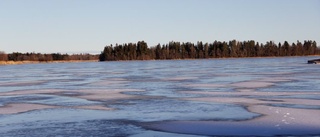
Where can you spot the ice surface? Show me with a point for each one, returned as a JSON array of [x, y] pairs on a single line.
[[229, 97]]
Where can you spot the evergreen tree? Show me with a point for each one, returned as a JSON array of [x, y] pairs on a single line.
[[175, 50]]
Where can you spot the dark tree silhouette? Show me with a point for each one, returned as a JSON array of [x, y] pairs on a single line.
[[216, 49], [17, 56]]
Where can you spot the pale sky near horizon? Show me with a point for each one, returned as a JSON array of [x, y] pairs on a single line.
[[78, 26]]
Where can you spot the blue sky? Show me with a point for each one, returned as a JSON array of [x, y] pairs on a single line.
[[66, 26]]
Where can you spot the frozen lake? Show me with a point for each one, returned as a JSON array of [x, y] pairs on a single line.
[[227, 97]]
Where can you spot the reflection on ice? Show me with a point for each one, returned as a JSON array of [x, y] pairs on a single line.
[[19, 108]]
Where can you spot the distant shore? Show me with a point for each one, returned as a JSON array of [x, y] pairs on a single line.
[[71, 61], [37, 62]]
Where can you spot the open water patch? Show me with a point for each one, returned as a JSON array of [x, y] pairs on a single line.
[[47, 100], [105, 128], [171, 109], [299, 106]]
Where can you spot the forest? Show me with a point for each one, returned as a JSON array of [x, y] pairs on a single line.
[[178, 50], [200, 50], [17, 56]]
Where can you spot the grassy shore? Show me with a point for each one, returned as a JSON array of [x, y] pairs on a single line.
[[36, 62], [68, 61]]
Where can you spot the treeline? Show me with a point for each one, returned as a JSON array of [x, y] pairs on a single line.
[[217, 49], [16, 56]]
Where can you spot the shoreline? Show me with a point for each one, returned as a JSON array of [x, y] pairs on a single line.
[[43, 62], [210, 58], [74, 61]]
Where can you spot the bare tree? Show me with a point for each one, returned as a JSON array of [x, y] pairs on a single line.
[[3, 56]]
